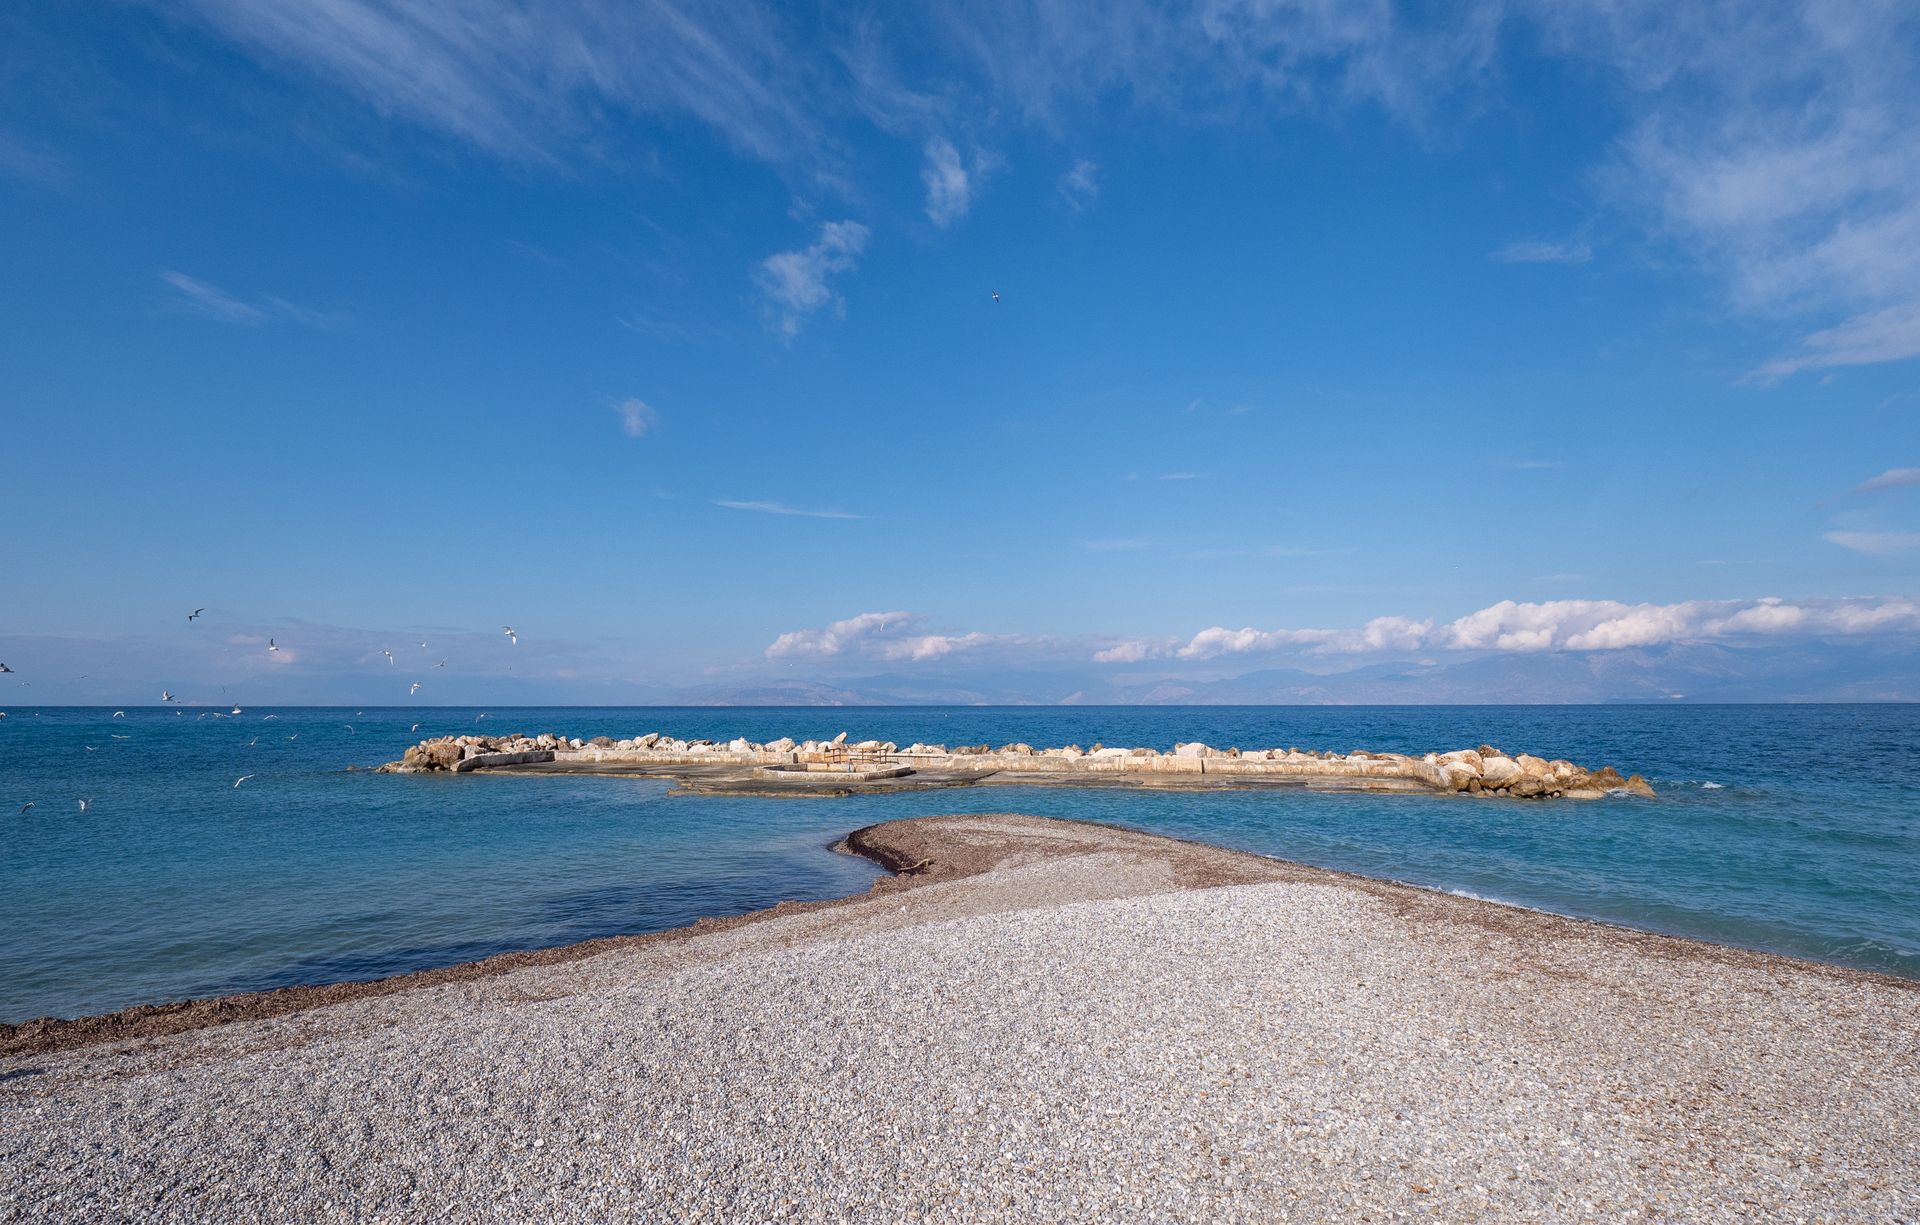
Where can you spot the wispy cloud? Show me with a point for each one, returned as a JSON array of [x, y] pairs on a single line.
[[200, 298], [795, 282], [518, 80], [1888, 335], [36, 167], [1780, 146], [1892, 478], [1876, 544], [1080, 185], [197, 297], [1544, 253], [949, 186], [1267, 550], [1777, 147], [777, 508], [637, 417]]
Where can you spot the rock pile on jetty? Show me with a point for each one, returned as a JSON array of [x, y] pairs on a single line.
[[1481, 771]]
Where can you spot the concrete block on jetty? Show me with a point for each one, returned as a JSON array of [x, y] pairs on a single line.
[[785, 765]]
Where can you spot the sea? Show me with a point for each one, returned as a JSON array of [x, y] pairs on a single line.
[[1793, 829]]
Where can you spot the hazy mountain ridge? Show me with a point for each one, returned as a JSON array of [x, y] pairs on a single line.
[[1813, 672]]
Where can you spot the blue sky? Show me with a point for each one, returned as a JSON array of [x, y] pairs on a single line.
[[1327, 335]]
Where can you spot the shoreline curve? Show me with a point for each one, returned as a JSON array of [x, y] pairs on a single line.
[[918, 852]]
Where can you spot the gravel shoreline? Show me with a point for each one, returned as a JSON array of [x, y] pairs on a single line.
[[1045, 1021]]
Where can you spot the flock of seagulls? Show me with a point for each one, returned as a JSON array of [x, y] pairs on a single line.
[[273, 646]]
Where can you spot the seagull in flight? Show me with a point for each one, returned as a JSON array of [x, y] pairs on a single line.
[[118, 736], [195, 614], [119, 714], [4, 668], [414, 728], [996, 295], [93, 748], [349, 727], [243, 778], [25, 806], [84, 804], [389, 655], [415, 688], [441, 664], [272, 645], [166, 695], [511, 636], [423, 646], [295, 736], [252, 742], [236, 710]]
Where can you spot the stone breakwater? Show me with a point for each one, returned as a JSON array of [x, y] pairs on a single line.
[[786, 765]]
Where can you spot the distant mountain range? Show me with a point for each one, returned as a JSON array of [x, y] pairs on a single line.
[[1812, 672]]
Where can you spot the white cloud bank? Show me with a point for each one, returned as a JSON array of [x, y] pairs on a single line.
[[883, 635], [1509, 626], [1569, 625]]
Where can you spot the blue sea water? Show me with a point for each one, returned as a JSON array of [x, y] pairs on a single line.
[[1794, 829]]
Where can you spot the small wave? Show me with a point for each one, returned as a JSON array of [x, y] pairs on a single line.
[[1471, 896], [1714, 786]]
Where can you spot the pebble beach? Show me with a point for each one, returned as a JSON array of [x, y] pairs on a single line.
[[1031, 1020]]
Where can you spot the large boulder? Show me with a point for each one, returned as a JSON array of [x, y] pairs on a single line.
[[433, 755], [1499, 771]]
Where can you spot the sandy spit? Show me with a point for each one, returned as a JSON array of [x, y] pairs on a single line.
[[1042, 1021]]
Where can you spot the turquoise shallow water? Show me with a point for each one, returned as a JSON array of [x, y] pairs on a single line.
[[1789, 828]]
